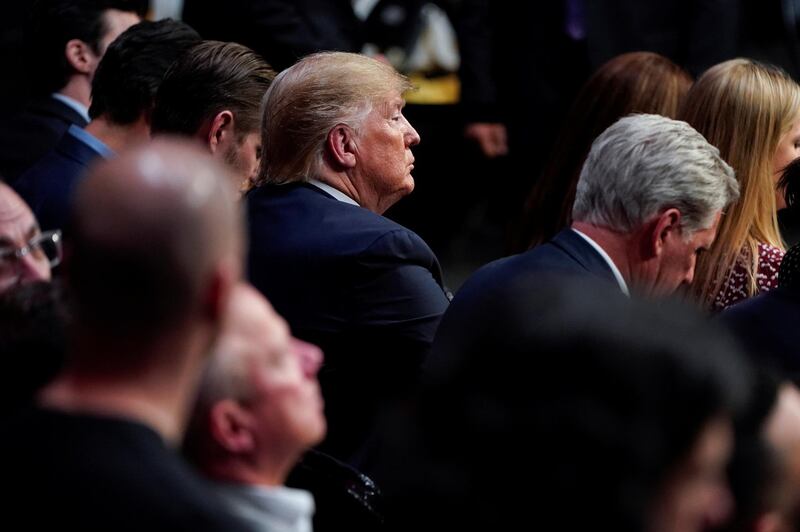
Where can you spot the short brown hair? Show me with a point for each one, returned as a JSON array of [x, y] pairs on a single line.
[[212, 76]]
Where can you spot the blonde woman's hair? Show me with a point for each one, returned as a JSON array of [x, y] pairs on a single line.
[[743, 108]]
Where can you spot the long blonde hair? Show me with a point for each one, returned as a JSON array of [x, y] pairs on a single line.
[[743, 108]]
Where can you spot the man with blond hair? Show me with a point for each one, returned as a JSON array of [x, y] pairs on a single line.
[[337, 154]]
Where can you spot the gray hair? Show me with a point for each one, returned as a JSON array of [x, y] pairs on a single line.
[[644, 164]]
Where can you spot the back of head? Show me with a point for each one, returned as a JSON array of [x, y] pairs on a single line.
[[743, 108], [150, 230], [645, 164], [569, 403], [132, 68], [308, 99], [636, 82], [54, 23], [212, 76]]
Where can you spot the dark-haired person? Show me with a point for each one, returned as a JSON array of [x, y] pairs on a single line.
[[789, 216], [570, 407], [123, 89], [33, 328], [67, 40], [637, 82], [213, 94]]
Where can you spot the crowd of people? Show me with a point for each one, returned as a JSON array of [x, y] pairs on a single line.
[[212, 322]]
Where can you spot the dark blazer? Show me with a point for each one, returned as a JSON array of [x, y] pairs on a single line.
[[366, 290], [767, 326], [28, 136], [567, 255], [49, 184]]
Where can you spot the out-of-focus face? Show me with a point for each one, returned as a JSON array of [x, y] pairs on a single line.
[[680, 257], [243, 158], [782, 431], [284, 394], [17, 228], [787, 151], [695, 494], [384, 159]]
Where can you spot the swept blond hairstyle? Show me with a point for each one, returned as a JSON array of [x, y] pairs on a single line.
[[743, 108], [312, 97]]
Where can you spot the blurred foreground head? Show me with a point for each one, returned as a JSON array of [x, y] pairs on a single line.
[[157, 244], [572, 407]]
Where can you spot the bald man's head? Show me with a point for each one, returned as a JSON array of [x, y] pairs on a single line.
[[22, 257], [153, 233]]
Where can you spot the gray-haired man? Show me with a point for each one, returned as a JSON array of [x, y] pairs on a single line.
[[649, 199]]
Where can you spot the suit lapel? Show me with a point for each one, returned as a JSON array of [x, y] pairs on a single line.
[[583, 253]]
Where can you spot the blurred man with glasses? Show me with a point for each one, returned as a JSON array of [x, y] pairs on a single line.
[[26, 254]]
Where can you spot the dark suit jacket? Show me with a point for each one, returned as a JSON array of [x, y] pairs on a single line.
[[28, 136], [567, 255], [281, 31], [365, 289], [767, 326], [49, 184]]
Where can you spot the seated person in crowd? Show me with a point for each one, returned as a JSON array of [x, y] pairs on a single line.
[[155, 253], [648, 202], [66, 41], [213, 94], [605, 413], [26, 254], [33, 323], [337, 154], [636, 82], [258, 410], [751, 112], [123, 90]]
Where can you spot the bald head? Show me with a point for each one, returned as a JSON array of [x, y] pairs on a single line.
[[152, 230], [267, 380], [17, 227], [251, 328]]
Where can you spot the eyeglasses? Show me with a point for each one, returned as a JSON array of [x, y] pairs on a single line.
[[45, 246]]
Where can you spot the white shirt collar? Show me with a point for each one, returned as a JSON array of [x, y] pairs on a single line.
[[75, 105], [338, 194], [617, 274]]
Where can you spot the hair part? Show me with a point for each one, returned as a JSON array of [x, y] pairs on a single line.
[[309, 99]]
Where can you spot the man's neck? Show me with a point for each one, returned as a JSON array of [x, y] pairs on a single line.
[[158, 394], [79, 89], [616, 245], [116, 136], [255, 470]]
